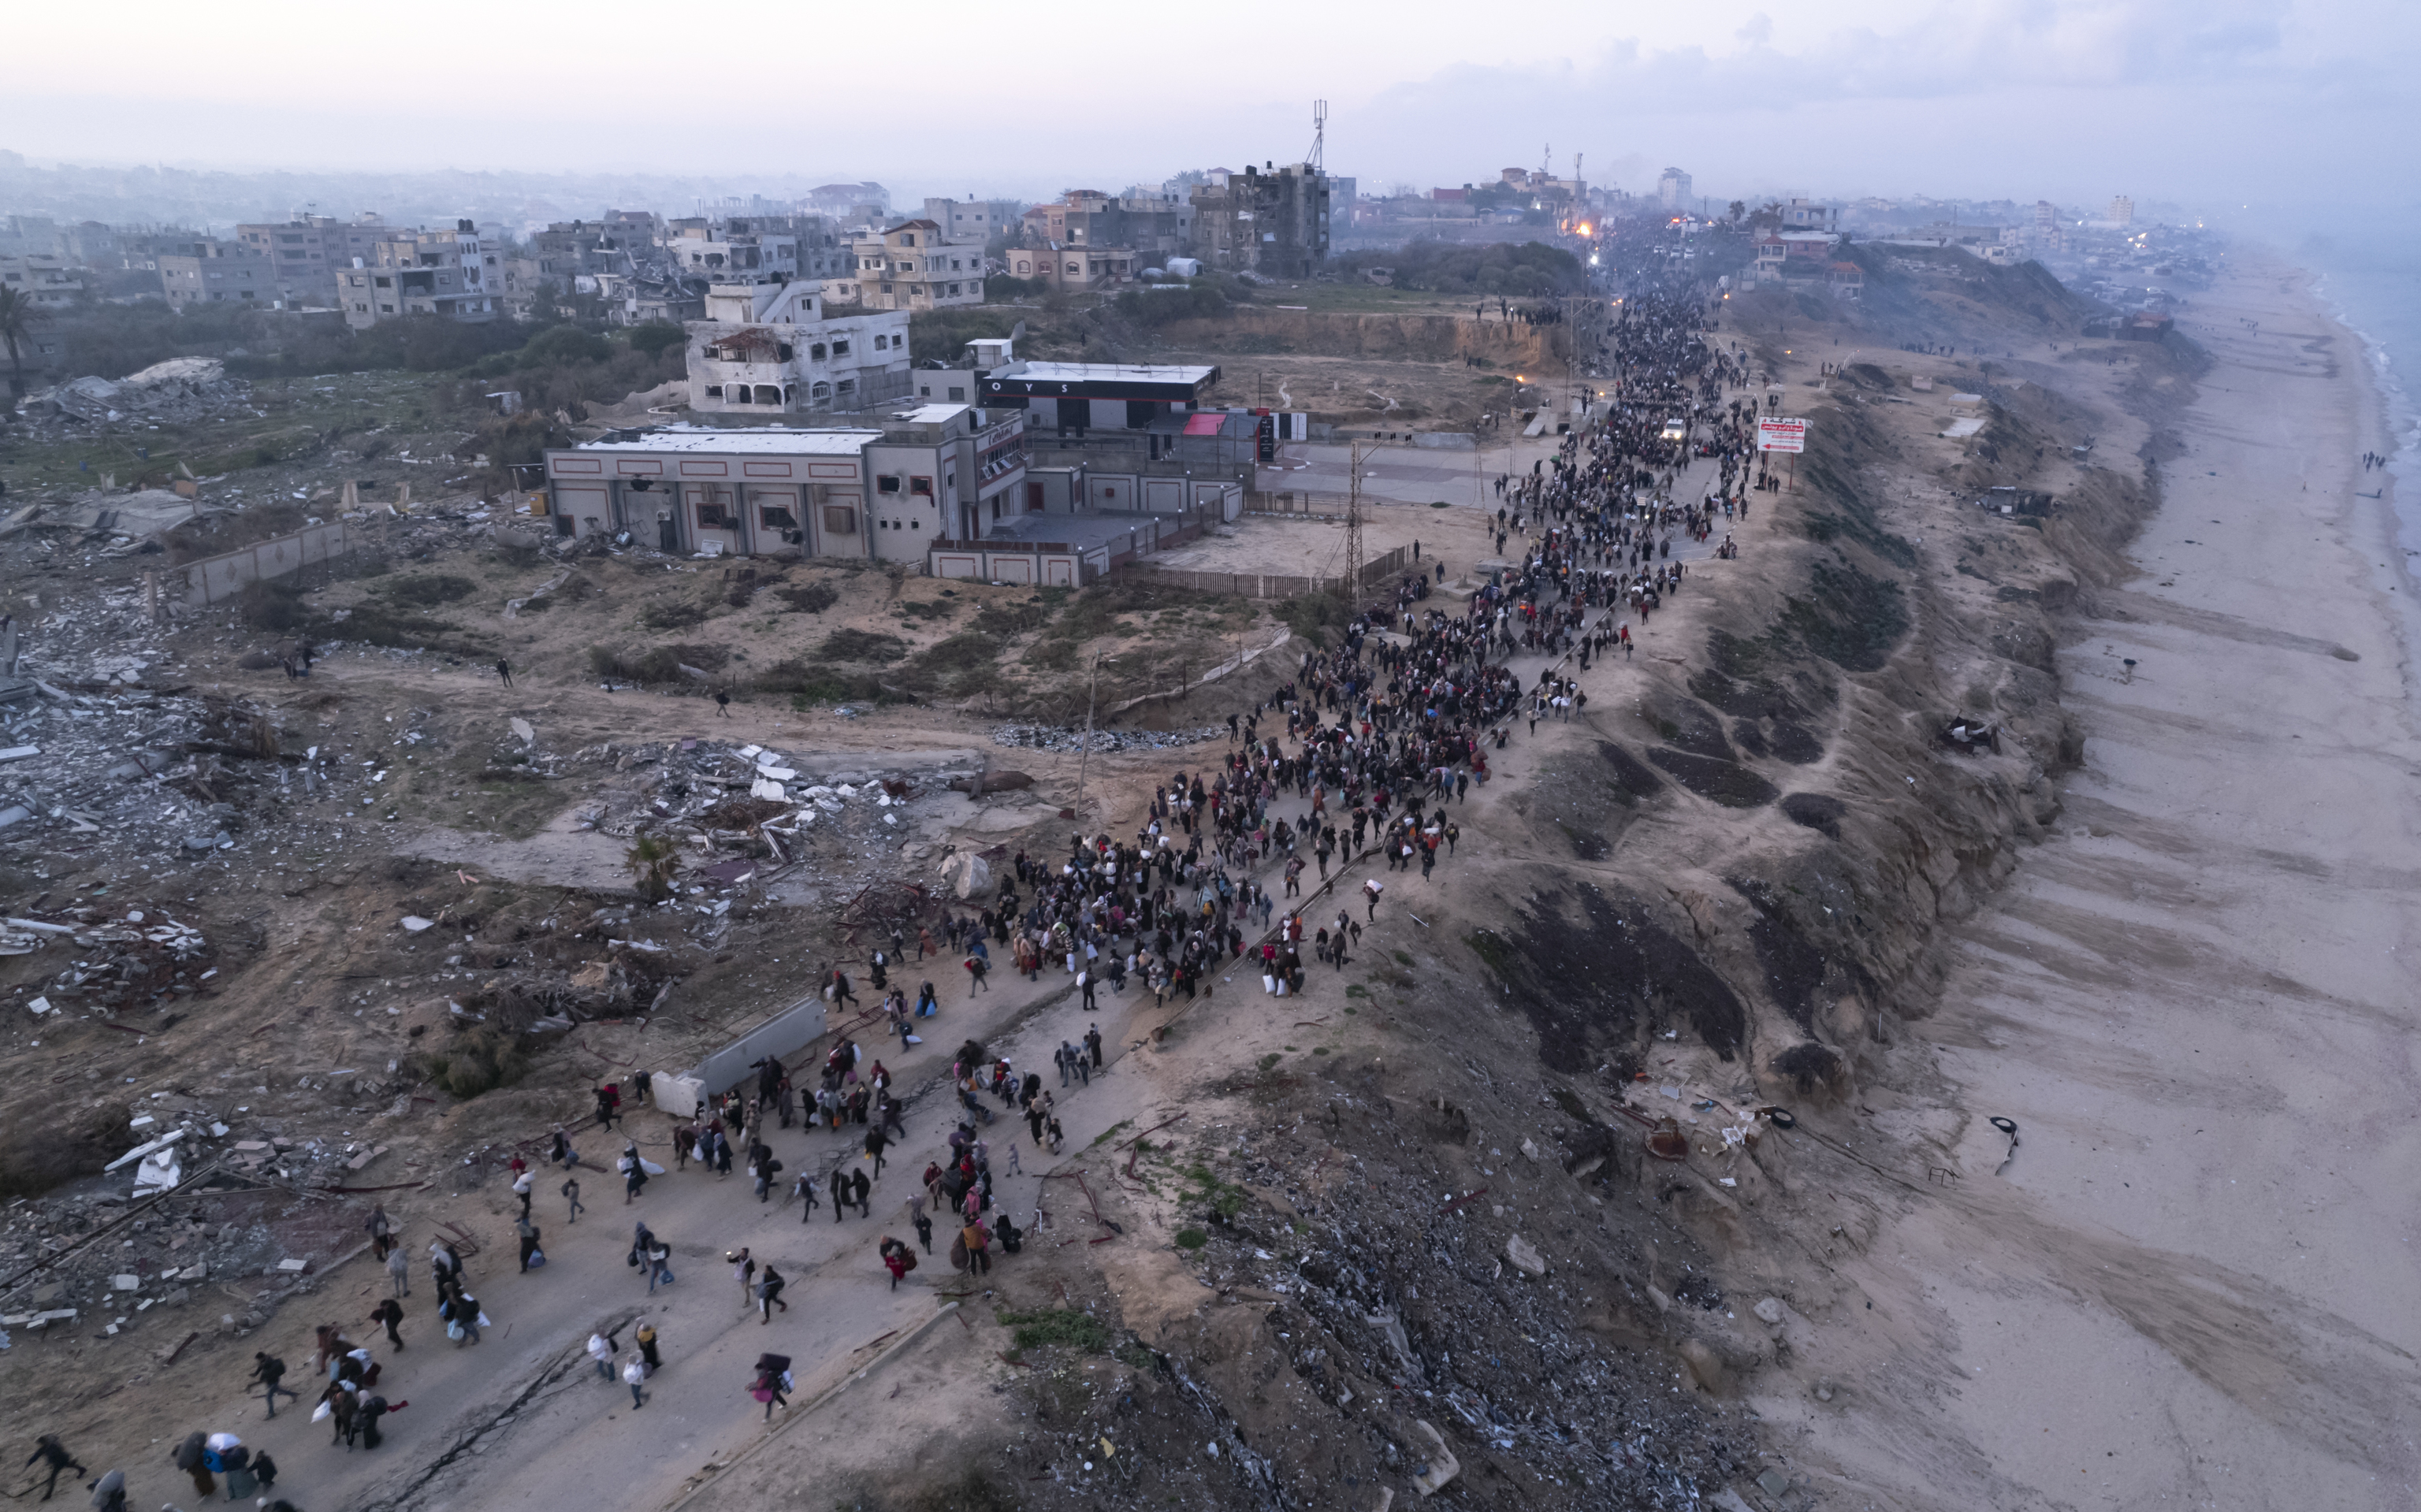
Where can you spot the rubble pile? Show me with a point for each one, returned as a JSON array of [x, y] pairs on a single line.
[[96, 1257], [1510, 1319], [231, 1239], [1062, 738], [179, 389]]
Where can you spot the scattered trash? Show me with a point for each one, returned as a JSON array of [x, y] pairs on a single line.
[[1060, 737]]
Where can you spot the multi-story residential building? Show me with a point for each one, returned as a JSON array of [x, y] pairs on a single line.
[[976, 222], [770, 349], [306, 252], [91, 244], [21, 234], [453, 274], [206, 270], [43, 277], [1673, 190], [1271, 221], [848, 201], [566, 250], [2122, 210], [911, 266], [732, 251], [1076, 268], [1157, 223]]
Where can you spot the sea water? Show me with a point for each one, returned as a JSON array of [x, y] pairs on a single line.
[[2370, 278]]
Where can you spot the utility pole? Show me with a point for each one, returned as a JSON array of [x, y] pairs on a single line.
[[1353, 532], [1084, 754]]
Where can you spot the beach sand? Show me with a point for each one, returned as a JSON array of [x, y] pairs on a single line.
[[2195, 1283]]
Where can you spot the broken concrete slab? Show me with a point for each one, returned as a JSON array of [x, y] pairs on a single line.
[[1442, 1466], [1525, 1255]]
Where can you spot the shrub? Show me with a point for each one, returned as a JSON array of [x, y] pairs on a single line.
[[862, 645], [429, 588], [657, 663], [810, 597], [679, 615], [1057, 1325], [1311, 615], [655, 337], [478, 1060], [272, 604], [814, 683], [966, 662]]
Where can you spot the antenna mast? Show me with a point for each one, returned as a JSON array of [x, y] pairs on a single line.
[[1319, 136], [1353, 532]]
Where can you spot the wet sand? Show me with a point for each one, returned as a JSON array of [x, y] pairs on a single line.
[[2195, 1283]]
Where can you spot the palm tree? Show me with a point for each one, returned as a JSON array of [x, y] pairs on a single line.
[[653, 859], [18, 313]]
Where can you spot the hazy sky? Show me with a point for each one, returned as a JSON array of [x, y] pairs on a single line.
[[2207, 102]]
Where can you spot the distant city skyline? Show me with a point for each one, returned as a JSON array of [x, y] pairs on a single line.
[[2223, 107]]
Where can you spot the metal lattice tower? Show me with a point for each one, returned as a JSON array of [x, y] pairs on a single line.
[[1319, 136], [1354, 532]]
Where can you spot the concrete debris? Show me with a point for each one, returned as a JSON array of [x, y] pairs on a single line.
[[1059, 738], [1441, 1466], [1525, 1255], [968, 874]]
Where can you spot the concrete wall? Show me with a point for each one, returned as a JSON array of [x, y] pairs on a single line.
[[1045, 568], [216, 578], [785, 1034]]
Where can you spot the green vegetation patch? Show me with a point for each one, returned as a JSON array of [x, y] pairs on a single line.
[[1063, 1326]]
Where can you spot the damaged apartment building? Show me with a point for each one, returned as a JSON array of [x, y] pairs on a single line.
[[1271, 221], [768, 349], [456, 275], [913, 266]]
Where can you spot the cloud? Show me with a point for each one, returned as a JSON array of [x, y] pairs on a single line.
[[2081, 98]]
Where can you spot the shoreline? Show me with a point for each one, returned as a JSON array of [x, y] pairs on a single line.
[[2193, 1280]]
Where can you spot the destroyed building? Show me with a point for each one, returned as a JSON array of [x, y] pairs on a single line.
[[769, 348], [1269, 221]]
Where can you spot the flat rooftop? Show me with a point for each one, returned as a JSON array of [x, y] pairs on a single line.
[[1082, 530], [930, 414], [1108, 372], [764, 442]]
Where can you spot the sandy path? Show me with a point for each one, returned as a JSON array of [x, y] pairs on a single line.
[[2197, 1282], [571, 1444]]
